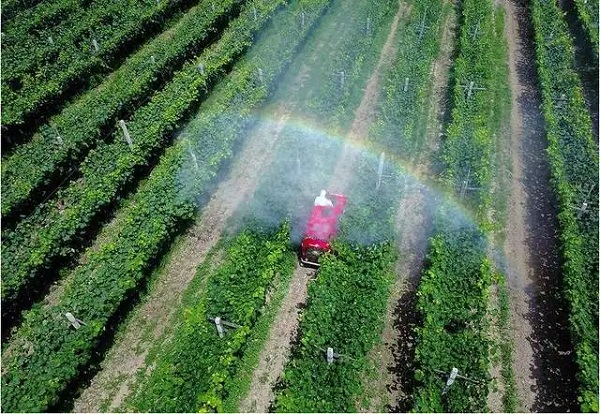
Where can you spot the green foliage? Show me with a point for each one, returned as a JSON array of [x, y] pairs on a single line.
[[401, 125], [46, 354], [344, 311], [452, 299], [36, 72], [454, 289], [53, 227], [195, 369], [574, 166], [10, 8], [469, 142], [587, 10], [81, 125]]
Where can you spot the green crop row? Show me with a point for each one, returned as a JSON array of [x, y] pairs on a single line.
[[587, 10], [10, 8], [32, 53], [26, 95], [401, 125], [195, 370], [469, 142], [573, 157], [55, 225], [33, 20], [46, 354], [46, 160], [344, 311], [452, 299], [453, 293], [38, 23]]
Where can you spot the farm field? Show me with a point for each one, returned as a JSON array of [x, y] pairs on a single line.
[[159, 171]]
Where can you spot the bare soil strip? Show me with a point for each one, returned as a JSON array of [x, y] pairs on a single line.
[[275, 353], [394, 355], [543, 364]]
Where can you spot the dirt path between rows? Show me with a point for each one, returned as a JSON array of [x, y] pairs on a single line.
[[277, 348], [413, 224], [543, 363]]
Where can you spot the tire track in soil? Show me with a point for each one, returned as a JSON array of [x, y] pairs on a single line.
[[124, 360], [413, 225], [277, 348], [543, 361]]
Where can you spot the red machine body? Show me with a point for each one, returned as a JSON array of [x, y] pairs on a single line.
[[321, 228]]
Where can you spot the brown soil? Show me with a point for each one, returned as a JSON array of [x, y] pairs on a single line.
[[543, 364], [274, 354]]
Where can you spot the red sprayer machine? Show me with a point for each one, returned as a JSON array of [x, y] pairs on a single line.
[[321, 229]]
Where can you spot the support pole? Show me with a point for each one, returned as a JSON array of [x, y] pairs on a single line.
[[219, 327], [451, 379], [126, 133], [96, 45], [380, 170], [329, 356], [76, 323]]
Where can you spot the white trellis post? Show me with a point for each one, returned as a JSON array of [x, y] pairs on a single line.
[[368, 25], [405, 84], [260, 75], [255, 13], [219, 326], [298, 164], [465, 185], [201, 68], [470, 88], [222, 325], [76, 323], [329, 356], [50, 40], [380, 170], [450, 380], [422, 27], [96, 45], [58, 137], [126, 133]]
